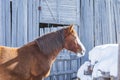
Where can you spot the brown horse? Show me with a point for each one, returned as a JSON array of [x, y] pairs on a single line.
[[33, 61]]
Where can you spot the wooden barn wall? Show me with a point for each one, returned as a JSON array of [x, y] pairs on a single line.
[[59, 11], [99, 24], [19, 22]]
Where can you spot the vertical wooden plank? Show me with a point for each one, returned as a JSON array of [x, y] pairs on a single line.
[[97, 23], [118, 34], [60, 69], [115, 22], [7, 23], [20, 23], [37, 17], [25, 27], [58, 11], [35, 22], [14, 22], [47, 30], [78, 13], [117, 30], [118, 20], [3, 21], [110, 18], [0, 22], [65, 68], [30, 19], [56, 65], [40, 11], [104, 27], [41, 32], [112, 22]]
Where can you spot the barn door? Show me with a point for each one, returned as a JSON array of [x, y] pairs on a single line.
[[59, 11]]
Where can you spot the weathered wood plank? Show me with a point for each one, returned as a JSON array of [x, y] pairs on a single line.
[[118, 20], [37, 18], [104, 20], [97, 23], [78, 13], [112, 22], [3, 22], [30, 20], [20, 23], [25, 27], [35, 25], [0, 22], [7, 23], [14, 22]]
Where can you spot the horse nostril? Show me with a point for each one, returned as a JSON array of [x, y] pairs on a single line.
[[83, 52]]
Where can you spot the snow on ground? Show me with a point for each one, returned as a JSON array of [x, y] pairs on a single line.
[[106, 57], [81, 70]]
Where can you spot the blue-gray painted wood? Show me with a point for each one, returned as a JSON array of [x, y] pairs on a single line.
[[3, 2], [25, 27], [0, 22], [7, 23], [59, 11], [35, 24], [37, 17], [30, 20], [14, 22], [118, 20], [20, 23]]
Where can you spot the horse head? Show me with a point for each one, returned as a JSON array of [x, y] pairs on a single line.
[[72, 41]]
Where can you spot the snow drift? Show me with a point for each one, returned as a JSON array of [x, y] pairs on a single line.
[[104, 58]]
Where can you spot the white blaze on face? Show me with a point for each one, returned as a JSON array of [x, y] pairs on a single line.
[[82, 46], [79, 55]]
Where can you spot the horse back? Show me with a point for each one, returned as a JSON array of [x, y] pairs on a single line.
[[7, 53]]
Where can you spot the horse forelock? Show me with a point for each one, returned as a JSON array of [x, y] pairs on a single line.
[[51, 41]]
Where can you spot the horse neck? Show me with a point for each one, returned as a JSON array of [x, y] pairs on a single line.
[[54, 54], [51, 43], [59, 42]]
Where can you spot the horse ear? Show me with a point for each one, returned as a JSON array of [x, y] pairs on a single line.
[[71, 27], [68, 30]]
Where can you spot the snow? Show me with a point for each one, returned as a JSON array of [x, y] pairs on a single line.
[[106, 57], [81, 70]]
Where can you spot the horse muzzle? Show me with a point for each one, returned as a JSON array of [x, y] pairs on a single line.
[[81, 53]]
